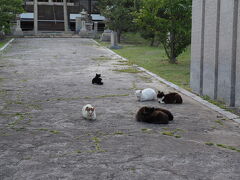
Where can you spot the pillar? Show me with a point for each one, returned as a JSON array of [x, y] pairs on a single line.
[[211, 47], [237, 94], [226, 53], [95, 27], [215, 61], [35, 16], [197, 53], [65, 15]]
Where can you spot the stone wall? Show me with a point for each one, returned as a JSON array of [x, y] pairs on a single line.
[[215, 61]]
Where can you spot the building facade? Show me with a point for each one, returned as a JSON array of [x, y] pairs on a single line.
[[54, 15]]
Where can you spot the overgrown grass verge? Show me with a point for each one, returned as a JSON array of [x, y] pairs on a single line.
[[154, 59], [3, 42]]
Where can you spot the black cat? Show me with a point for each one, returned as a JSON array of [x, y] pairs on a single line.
[[171, 98], [97, 80], [154, 115]]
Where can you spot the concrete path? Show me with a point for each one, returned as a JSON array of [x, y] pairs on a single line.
[[44, 84]]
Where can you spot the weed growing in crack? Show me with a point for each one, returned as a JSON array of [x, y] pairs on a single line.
[[219, 122], [97, 142], [223, 146], [146, 130], [118, 133], [209, 143], [128, 70], [146, 79], [43, 129], [102, 58], [78, 151], [54, 131], [173, 133]]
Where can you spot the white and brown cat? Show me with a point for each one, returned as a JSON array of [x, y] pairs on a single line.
[[88, 112]]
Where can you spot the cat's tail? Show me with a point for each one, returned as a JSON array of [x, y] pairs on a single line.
[[170, 116]]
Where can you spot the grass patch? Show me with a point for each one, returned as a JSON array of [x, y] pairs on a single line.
[[3, 42], [87, 97], [134, 86], [217, 103], [146, 79], [128, 70], [3, 92], [172, 133], [228, 147], [223, 146], [43, 129], [177, 136], [154, 59], [118, 133], [54, 131], [102, 58], [111, 95], [97, 142], [20, 129], [168, 133], [219, 122], [123, 64], [209, 143], [78, 151], [20, 117]]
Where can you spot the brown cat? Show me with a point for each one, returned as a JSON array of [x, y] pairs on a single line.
[[154, 115], [171, 98]]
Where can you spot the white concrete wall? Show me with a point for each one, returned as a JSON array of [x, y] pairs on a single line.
[[209, 57], [216, 49], [237, 92], [225, 50], [196, 44]]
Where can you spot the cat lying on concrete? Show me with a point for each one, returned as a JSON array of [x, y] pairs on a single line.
[[154, 115]]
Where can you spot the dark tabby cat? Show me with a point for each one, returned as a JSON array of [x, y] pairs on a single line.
[[97, 80], [154, 115], [171, 98]]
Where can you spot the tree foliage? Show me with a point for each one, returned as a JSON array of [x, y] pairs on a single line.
[[118, 14], [170, 20], [146, 19], [8, 11]]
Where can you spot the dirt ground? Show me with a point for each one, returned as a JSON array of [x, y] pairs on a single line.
[[44, 83]]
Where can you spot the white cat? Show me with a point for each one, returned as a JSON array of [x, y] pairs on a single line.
[[88, 112], [148, 94]]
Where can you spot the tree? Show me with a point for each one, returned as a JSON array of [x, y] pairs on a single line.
[[118, 14], [146, 19], [8, 11], [171, 22]]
